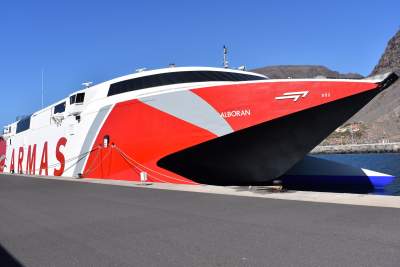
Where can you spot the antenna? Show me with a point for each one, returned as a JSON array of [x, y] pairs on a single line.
[[87, 84], [226, 63], [141, 69], [42, 88]]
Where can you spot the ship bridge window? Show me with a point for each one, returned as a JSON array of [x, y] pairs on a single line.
[[77, 99], [178, 77], [72, 99], [23, 124], [60, 108], [80, 97]]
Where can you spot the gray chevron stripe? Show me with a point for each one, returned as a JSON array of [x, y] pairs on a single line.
[[191, 108], [91, 138]]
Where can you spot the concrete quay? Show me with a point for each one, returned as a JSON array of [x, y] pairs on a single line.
[[268, 192], [67, 222]]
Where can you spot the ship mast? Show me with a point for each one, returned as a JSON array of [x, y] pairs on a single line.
[[42, 88], [226, 63]]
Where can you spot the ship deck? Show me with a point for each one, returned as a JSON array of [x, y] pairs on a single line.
[[65, 222]]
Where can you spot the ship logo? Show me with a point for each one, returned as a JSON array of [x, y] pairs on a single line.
[[292, 95], [236, 113]]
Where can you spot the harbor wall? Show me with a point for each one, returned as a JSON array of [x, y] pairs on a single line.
[[357, 148]]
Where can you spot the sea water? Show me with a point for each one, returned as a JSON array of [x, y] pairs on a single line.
[[388, 163]]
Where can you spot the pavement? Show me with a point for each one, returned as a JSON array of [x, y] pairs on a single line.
[[255, 191], [58, 222]]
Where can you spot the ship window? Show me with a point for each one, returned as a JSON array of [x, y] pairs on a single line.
[[178, 77], [23, 124], [80, 98], [72, 99], [60, 108]]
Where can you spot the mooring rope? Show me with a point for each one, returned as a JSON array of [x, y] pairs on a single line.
[[149, 169], [93, 168], [138, 167]]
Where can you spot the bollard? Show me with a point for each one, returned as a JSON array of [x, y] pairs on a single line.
[[143, 177]]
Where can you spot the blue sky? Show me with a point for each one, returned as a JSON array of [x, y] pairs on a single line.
[[77, 41]]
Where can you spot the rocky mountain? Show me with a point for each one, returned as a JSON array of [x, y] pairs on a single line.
[[380, 119], [381, 116], [390, 60], [303, 71]]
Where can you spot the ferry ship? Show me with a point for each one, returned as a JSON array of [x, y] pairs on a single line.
[[186, 125]]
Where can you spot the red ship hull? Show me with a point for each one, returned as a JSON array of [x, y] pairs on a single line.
[[3, 150], [270, 127]]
